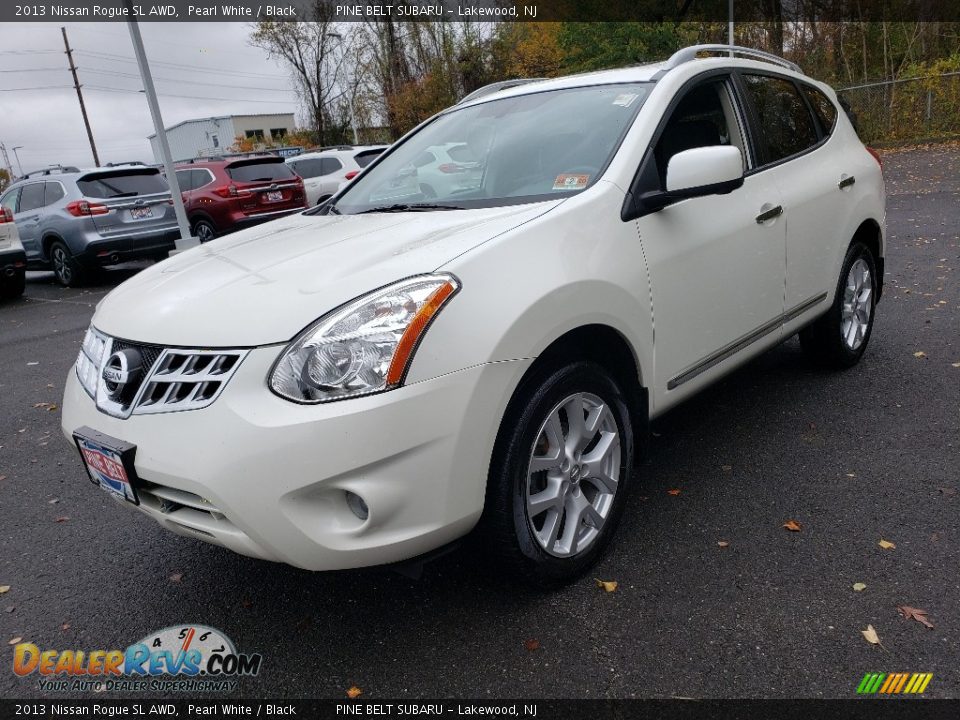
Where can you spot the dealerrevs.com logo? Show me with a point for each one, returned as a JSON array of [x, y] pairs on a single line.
[[179, 658]]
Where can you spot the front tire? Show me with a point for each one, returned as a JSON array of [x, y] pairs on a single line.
[[839, 338], [66, 268], [560, 473]]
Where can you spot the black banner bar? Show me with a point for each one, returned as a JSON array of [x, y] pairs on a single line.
[[899, 708], [60, 11]]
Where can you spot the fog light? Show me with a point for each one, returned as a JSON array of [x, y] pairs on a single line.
[[357, 505]]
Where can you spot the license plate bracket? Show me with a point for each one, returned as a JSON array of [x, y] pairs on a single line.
[[108, 462]]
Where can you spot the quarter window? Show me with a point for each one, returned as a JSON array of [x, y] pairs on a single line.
[[331, 165], [200, 178], [826, 111], [31, 197], [52, 193], [9, 201], [786, 125]]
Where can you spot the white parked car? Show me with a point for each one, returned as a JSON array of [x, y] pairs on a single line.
[[324, 172], [366, 382], [13, 258]]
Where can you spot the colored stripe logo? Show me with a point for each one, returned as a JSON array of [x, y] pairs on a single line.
[[894, 683]]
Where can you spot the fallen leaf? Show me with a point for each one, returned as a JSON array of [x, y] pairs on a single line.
[[608, 585], [45, 405], [3, 477], [246, 603], [871, 636], [674, 491], [859, 587], [792, 525], [15, 641], [955, 364], [10, 608], [886, 544], [722, 543], [61, 519], [726, 468], [912, 613], [4, 589], [531, 645], [919, 354], [32, 363], [176, 577], [851, 474], [354, 692], [53, 502], [948, 490], [65, 626]]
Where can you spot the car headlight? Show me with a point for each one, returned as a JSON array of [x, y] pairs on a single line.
[[89, 360], [363, 347]]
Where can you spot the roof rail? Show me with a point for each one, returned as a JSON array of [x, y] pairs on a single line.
[[497, 87], [690, 53], [335, 147], [50, 171], [120, 164]]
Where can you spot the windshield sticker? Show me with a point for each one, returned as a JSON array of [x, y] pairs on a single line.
[[571, 182], [625, 99]]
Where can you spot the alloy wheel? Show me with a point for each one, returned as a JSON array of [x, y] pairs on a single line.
[[573, 475], [61, 265], [857, 304]]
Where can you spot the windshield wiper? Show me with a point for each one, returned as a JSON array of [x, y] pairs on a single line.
[[416, 207]]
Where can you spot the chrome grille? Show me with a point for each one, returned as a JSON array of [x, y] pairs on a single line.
[[167, 379], [187, 379]]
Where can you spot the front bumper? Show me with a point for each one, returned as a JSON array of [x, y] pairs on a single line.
[[267, 478]]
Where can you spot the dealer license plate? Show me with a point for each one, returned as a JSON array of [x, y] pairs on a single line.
[[109, 463]]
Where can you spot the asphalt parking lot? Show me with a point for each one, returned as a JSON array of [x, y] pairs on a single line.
[[854, 458]]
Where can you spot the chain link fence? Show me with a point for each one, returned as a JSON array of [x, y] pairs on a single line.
[[911, 109]]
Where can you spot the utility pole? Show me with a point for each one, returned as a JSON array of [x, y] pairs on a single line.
[[83, 108], [187, 240], [6, 161]]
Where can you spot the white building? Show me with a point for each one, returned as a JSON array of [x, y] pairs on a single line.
[[212, 136]]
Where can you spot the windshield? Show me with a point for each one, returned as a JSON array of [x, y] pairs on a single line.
[[527, 148]]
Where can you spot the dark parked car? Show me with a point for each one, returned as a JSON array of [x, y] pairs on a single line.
[[74, 221], [222, 195]]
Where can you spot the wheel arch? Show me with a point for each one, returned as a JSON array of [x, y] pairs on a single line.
[[871, 235], [46, 240]]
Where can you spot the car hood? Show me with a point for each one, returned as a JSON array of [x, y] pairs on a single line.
[[265, 284]]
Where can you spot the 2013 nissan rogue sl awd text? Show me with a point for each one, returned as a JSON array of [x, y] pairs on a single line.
[[375, 378]]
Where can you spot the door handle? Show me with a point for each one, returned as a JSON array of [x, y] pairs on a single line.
[[846, 181], [769, 214]]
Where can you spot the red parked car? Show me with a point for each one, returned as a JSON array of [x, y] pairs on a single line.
[[222, 195]]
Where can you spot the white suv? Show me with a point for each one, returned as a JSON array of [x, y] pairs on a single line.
[[367, 382], [326, 171]]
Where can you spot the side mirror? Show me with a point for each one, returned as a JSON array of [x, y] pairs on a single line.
[[713, 170]]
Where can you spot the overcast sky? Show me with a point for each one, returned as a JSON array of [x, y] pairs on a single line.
[[212, 63]]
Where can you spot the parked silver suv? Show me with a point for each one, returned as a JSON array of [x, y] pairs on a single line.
[[76, 221]]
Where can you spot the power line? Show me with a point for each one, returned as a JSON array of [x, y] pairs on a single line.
[[38, 87], [99, 88], [179, 66], [186, 82]]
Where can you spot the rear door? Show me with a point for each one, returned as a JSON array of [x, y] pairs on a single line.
[[137, 199], [271, 182], [799, 159]]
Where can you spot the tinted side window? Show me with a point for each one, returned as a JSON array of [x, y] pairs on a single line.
[[826, 111], [31, 197], [331, 165], [786, 125], [185, 180], [309, 168], [9, 201], [52, 193], [200, 178]]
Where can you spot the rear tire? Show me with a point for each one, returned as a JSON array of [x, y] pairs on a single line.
[[11, 288], [557, 487], [66, 268], [204, 230], [838, 339]]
